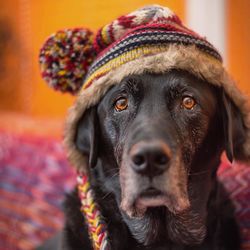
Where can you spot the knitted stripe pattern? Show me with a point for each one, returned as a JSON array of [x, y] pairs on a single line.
[[142, 42], [152, 35], [97, 227]]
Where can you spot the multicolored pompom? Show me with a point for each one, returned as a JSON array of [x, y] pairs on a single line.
[[66, 57]]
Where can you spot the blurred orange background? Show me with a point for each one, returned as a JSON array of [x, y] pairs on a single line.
[[25, 100]]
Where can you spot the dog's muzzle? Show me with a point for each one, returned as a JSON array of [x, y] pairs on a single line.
[[152, 176]]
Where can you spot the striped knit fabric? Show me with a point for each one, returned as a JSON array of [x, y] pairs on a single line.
[[143, 41], [34, 177]]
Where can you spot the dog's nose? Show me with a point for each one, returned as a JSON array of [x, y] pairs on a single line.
[[150, 158]]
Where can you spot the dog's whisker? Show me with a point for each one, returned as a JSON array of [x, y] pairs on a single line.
[[110, 171], [112, 176], [198, 173], [109, 179], [106, 195]]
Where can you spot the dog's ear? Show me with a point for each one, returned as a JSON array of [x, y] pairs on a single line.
[[87, 135], [234, 130]]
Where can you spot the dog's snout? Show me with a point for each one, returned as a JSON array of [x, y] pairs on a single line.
[[150, 158]]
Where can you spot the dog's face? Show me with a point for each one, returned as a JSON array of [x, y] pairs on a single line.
[[156, 141]]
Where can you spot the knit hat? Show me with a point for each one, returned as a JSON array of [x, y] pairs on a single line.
[[151, 39]]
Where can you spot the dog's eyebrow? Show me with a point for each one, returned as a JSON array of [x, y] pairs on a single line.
[[175, 88], [132, 84]]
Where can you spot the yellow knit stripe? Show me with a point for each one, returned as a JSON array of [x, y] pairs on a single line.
[[130, 56], [124, 58]]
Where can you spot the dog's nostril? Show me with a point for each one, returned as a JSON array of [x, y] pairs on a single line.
[[161, 159], [138, 159], [150, 159]]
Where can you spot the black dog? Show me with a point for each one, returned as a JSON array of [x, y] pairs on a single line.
[[154, 144]]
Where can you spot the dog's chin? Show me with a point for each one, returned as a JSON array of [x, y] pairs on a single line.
[[151, 209]]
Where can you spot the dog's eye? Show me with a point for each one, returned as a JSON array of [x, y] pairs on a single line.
[[188, 102], [121, 104]]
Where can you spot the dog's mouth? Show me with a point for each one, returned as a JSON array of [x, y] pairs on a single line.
[[140, 193], [151, 197]]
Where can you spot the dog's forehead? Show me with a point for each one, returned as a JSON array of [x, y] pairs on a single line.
[[174, 80]]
